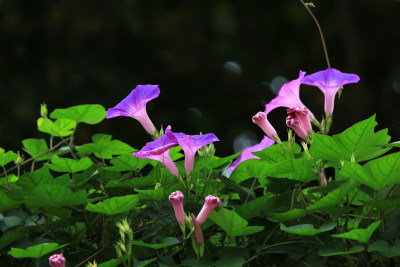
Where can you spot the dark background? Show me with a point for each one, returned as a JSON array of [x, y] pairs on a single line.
[[215, 62]]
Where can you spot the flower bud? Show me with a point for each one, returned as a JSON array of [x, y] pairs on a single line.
[[295, 124], [261, 120], [210, 204], [57, 260], [176, 199]]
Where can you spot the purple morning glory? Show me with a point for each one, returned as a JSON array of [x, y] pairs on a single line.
[[159, 150], [246, 154], [288, 96], [329, 82], [134, 105], [190, 144]]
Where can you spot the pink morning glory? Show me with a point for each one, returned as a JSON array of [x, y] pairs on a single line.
[[176, 199], [261, 120], [190, 144], [288, 96], [329, 81], [134, 105], [210, 204], [57, 260], [159, 150], [197, 230], [246, 154]]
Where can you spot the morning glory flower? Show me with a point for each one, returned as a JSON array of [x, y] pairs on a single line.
[[190, 144], [134, 105], [261, 120], [57, 260], [176, 199], [210, 204], [288, 96], [329, 81], [159, 150], [246, 154]]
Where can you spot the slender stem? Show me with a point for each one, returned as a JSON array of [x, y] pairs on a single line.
[[5, 173], [320, 32], [38, 156], [250, 190]]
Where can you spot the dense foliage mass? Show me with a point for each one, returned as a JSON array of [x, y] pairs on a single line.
[[327, 200]]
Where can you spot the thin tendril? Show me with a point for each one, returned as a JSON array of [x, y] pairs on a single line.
[[320, 32]]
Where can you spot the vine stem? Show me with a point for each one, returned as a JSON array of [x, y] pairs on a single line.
[[320, 32]]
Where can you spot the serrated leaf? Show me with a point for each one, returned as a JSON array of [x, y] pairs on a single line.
[[114, 205], [376, 173], [35, 251], [232, 223], [104, 147], [59, 128], [307, 229], [69, 165], [90, 114], [361, 235], [55, 196], [7, 157]]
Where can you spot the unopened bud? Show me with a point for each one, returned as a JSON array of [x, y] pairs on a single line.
[[43, 110], [18, 161]]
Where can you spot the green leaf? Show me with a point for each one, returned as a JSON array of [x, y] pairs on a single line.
[[7, 203], [232, 223], [286, 216], [230, 261], [334, 198], [111, 263], [336, 248], [255, 207], [166, 242], [114, 205], [127, 162], [36, 147], [56, 196], [361, 235], [7, 157], [59, 128], [104, 147], [276, 153], [297, 169], [359, 141], [9, 237], [69, 165], [394, 144], [90, 114], [376, 173], [31, 180], [307, 229], [159, 194], [383, 247], [35, 251]]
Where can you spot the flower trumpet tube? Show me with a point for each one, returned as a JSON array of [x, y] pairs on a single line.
[[57, 260], [261, 120], [176, 199], [329, 81], [198, 240], [210, 204], [134, 105]]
